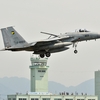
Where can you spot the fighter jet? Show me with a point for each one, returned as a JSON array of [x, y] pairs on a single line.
[[13, 41]]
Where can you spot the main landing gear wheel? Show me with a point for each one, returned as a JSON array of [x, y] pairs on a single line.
[[48, 54], [42, 55], [75, 51]]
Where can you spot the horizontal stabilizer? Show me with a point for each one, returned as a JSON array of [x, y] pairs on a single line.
[[2, 49]]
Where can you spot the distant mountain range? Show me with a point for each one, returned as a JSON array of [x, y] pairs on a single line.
[[86, 87], [22, 85]]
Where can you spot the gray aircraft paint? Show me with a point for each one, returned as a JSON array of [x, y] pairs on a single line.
[[55, 43]]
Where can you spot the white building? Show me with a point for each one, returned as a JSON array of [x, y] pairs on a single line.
[[39, 85], [48, 96]]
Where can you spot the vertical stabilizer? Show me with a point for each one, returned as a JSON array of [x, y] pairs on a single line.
[[6, 39], [12, 38]]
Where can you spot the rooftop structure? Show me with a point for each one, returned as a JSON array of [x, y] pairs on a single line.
[[49, 96]]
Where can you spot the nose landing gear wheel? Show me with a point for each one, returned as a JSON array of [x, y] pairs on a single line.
[[75, 51], [42, 55], [48, 54]]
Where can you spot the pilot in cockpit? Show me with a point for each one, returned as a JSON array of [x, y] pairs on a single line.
[[81, 30]]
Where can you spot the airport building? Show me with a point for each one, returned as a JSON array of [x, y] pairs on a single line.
[[97, 83], [39, 85]]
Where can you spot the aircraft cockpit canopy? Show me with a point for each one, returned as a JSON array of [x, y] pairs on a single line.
[[83, 30]]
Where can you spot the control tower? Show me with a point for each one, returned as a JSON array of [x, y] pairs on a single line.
[[39, 74]]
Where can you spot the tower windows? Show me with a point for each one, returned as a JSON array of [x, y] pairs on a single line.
[[41, 71]]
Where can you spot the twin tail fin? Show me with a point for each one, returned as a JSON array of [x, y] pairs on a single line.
[[12, 38]]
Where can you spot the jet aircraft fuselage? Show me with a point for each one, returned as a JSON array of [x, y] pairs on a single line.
[[13, 41]]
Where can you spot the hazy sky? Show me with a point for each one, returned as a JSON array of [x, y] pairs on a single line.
[[30, 17]]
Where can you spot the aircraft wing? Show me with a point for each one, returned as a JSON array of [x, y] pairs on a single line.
[[44, 42], [49, 41], [35, 45]]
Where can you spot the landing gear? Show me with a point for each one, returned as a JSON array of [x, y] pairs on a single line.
[[43, 55], [75, 51], [48, 54], [75, 45]]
